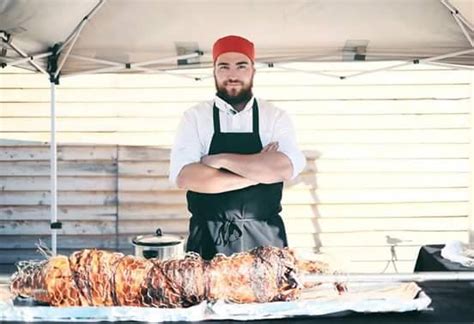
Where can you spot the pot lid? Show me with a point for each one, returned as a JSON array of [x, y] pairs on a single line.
[[157, 239]]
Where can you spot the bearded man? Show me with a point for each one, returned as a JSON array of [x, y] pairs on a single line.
[[232, 155]]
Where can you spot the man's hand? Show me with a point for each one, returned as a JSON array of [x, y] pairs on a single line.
[[215, 160], [266, 166], [204, 179], [270, 147]]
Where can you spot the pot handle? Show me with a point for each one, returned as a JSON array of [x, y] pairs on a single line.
[[158, 232]]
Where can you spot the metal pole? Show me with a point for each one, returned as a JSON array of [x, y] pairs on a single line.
[[452, 66], [149, 70], [167, 59], [415, 61], [396, 277], [132, 66], [460, 20], [30, 58], [377, 70], [471, 159], [463, 29], [440, 57], [53, 165], [307, 72], [79, 27], [76, 36], [7, 38], [94, 60]]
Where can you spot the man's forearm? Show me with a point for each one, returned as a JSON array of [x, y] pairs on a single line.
[[204, 179], [264, 167]]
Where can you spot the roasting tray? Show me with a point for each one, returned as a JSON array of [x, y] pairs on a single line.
[[319, 301]]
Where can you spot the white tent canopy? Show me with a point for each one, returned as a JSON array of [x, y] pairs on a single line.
[[66, 38], [144, 36]]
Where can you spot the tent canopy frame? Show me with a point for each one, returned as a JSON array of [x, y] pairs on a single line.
[[56, 62]]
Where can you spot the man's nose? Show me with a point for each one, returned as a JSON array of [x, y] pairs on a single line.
[[232, 73]]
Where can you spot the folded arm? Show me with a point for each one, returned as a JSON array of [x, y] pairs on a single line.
[[263, 167], [201, 178]]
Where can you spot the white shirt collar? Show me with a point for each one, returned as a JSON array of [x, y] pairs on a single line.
[[223, 105]]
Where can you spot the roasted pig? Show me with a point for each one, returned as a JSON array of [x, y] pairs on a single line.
[[103, 278]]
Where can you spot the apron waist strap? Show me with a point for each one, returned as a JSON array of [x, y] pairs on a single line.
[[228, 232]]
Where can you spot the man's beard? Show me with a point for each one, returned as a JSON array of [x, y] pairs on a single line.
[[243, 96]]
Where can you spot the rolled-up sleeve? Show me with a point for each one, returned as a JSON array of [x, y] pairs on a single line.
[[285, 135], [187, 146]]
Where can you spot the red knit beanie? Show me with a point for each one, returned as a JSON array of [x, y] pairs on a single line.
[[233, 43]]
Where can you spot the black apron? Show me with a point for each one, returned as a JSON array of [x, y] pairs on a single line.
[[237, 220]]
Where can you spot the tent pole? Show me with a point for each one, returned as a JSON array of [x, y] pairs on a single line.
[[414, 61], [114, 64], [94, 60], [29, 59], [303, 71], [459, 20], [148, 70], [7, 38], [53, 165], [167, 59], [73, 40], [75, 33], [453, 66], [471, 158], [139, 64], [440, 57], [377, 70], [54, 80], [131, 66], [454, 11], [101, 70]]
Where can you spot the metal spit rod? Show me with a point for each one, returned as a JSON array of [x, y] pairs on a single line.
[[390, 277]]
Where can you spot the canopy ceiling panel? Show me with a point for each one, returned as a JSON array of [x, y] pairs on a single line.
[[68, 37], [36, 25], [122, 31]]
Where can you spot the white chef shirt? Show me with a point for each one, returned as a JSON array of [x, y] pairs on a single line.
[[196, 129]]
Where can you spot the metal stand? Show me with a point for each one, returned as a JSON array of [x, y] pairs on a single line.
[[54, 79]]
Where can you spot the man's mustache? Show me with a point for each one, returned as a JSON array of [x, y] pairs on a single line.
[[233, 82]]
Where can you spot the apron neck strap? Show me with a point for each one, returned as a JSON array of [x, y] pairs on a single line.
[[217, 123], [255, 123]]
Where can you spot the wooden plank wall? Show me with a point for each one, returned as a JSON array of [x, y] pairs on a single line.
[[388, 154]]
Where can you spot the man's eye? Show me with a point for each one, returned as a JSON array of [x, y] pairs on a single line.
[[242, 67], [224, 67]]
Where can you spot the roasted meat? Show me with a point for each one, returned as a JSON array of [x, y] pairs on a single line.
[[103, 278]]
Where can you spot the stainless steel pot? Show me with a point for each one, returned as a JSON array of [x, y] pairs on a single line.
[[158, 246]]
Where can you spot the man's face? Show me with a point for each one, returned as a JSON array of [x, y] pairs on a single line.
[[233, 75]]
